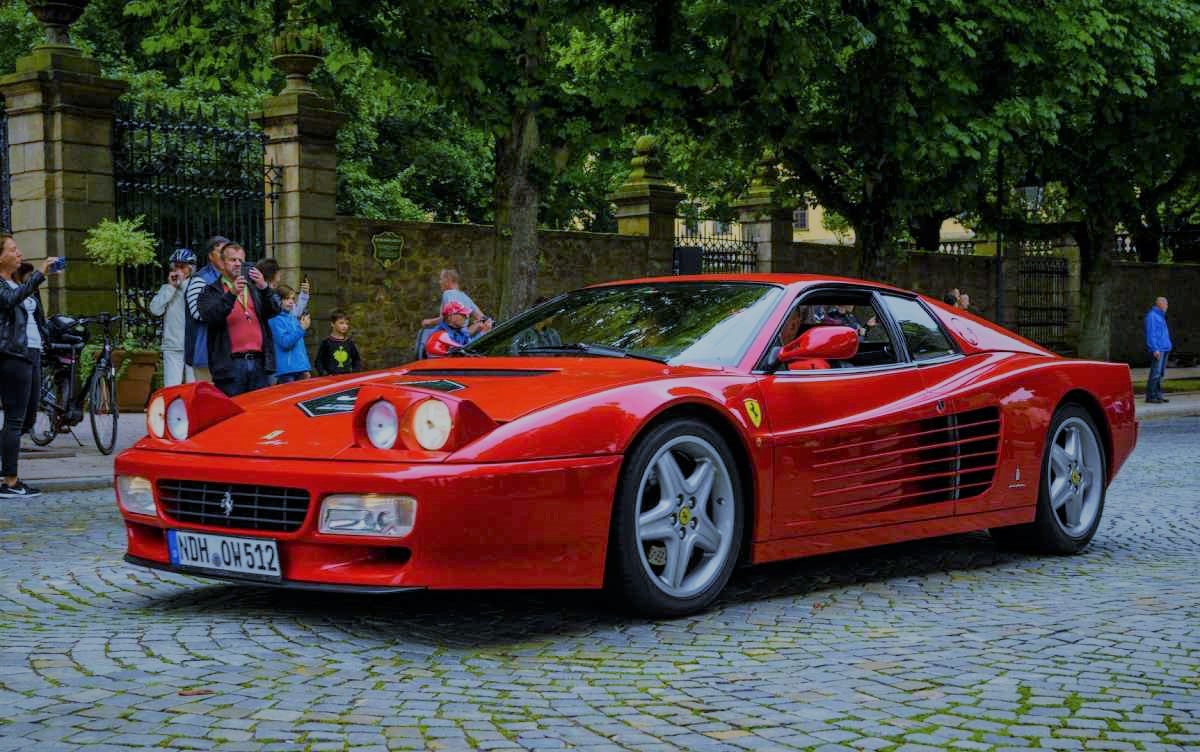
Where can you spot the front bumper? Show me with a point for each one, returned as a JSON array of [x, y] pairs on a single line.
[[540, 524]]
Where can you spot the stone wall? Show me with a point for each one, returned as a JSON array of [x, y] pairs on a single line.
[[386, 303], [931, 274], [1133, 290]]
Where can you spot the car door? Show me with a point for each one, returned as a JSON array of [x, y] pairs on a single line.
[[973, 432], [852, 444]]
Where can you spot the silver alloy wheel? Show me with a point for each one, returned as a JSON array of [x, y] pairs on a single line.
[[686, 516], [1074, 469]]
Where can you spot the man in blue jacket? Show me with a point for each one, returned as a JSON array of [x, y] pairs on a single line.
[[1158, 342], [195, 349]]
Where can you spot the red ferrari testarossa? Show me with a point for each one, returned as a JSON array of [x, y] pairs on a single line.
[[645, 436]]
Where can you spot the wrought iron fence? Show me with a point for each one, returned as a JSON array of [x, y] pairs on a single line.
[[1043, 301], [190, 179], [708, 247]]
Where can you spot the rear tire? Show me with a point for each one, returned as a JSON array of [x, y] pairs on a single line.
[[1071, 491], [44, 429], [102, 407], [678, 521]]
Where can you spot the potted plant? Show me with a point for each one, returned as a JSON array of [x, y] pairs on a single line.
[[120, 244]]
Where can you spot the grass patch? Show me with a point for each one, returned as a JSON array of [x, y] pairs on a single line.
[[1074, 702], [1170, 386]]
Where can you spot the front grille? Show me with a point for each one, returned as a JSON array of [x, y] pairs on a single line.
[[234, 505]]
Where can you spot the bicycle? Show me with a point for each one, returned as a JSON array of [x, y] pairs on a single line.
[[63, 399]]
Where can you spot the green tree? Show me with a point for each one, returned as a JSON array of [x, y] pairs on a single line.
[[1126, 144], [499, 66]]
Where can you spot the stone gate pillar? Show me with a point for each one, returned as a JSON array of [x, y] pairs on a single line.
[[764, 221], [646, 204], [301, 128], [60, 122]]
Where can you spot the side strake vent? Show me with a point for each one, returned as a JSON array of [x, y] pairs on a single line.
[[909, 464]]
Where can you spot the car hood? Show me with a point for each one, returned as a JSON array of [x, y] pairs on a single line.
[[312, 419]]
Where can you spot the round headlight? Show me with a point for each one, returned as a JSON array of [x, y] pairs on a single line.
[[156, 417], [177, 419], [431, 424], [382, 424]]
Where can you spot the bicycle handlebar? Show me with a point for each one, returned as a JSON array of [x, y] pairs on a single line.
[[103, 319]]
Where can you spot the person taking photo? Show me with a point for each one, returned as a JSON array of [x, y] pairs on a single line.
[[170, 305], [20, 344]]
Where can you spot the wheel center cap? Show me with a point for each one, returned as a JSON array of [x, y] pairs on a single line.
[[1076, 478], [685, 516]]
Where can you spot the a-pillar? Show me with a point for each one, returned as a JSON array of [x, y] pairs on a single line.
[[60, 122], [765, 222], [646, 204]]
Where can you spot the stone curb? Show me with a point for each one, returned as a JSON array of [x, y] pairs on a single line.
[[82, 483]]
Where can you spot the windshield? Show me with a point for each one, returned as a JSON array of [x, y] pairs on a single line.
[[695, 323]]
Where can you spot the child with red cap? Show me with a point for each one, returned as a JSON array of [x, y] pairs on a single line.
[[452, 333]]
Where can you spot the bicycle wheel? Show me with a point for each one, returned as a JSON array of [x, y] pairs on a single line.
[[102, 407], [44, 429]]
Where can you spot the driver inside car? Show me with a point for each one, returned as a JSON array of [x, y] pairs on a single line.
[[790, 331]]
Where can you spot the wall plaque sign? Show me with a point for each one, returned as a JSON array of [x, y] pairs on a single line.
[[388, 247]]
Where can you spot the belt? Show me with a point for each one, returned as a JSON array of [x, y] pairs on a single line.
[[247, 355]]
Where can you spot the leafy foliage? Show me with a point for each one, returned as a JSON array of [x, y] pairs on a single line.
[[120, 243]]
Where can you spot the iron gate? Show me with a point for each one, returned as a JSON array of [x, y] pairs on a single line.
[[1043, 300], [190, 180], [705, 246]]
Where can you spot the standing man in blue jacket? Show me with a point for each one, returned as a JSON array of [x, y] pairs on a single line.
[[1158, 342], [195, 351]]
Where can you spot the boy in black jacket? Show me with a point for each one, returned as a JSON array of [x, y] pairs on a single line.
[[337, 353]]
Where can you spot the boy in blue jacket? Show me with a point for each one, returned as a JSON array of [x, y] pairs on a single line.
[[291, 356]]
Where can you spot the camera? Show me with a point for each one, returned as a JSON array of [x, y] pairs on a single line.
[[59, 265]]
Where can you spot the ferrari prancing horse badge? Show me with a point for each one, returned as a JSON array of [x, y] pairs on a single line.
[[753, 412]]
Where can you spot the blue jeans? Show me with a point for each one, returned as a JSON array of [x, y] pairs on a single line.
[[1158, 369], [251, 375]]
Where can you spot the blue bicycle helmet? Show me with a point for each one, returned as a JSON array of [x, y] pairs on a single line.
[[183, 256]]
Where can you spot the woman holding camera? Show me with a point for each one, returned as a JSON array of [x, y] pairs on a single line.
[[19, 337]]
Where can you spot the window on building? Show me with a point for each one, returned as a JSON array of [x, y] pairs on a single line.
[[800, 218]]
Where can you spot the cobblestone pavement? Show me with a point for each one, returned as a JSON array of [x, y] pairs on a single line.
[[943, 644]]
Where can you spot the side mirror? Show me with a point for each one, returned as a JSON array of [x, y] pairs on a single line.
[[823, 342]]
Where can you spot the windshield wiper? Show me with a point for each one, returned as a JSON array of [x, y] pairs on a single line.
[[588, 349], [463, 352]]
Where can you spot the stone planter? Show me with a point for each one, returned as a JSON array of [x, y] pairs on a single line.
[[57, 16], [133, 388]]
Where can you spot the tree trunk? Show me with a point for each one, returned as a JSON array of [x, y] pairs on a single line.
[[517, 199], [872, 238], [926, 232], [1095, 278]]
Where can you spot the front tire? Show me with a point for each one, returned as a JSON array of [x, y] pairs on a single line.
[[1071, 491], [102, 406], [678, 521]]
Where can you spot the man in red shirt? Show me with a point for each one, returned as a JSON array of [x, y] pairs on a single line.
[[236, 309]]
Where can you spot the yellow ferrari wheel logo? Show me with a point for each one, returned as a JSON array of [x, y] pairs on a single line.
[[685, 516], [753, 412]]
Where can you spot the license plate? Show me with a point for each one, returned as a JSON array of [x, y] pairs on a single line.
[[250, 557]]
